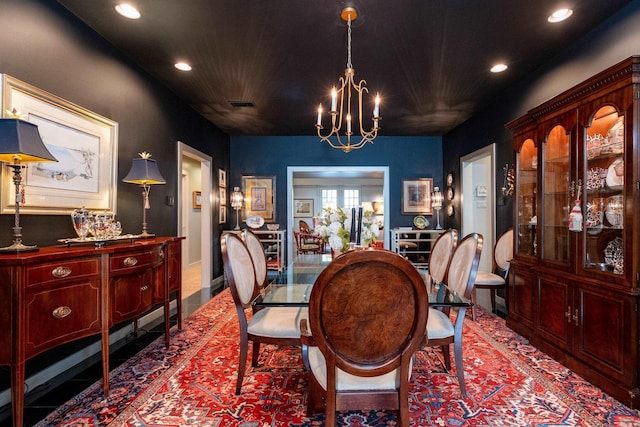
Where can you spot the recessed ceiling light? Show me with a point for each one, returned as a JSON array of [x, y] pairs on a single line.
[[498, 68], [128, 11], [560, 15], [183, 66]]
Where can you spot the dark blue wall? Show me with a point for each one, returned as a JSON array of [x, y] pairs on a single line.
[[406, 157]]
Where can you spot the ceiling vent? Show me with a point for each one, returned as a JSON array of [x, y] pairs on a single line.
[[243, 104]]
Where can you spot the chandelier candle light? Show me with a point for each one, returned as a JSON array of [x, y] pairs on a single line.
[[347, 85]]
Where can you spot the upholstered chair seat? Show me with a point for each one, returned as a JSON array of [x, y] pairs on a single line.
[[348, 382], [439, 324], [277, 322]]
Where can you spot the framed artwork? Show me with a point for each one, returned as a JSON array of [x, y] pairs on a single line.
[[84, 143], [302, 208], [222, 196], [197, 200], [259, 197], [222, 178], [416, 196], [223, 215]]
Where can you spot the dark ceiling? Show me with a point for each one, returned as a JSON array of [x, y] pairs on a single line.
[[428, 59]]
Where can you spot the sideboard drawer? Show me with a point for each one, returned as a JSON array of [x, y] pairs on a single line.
[[63, 271], [134, 261], [61, 314]]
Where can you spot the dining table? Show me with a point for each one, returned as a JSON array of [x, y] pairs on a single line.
[[292, 287]]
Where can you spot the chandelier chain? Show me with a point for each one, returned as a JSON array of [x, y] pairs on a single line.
[[349, 43]]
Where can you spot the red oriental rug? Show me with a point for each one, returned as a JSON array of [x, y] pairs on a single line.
[[192, 383]]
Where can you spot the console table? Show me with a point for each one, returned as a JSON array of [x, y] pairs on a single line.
[[62, 293]]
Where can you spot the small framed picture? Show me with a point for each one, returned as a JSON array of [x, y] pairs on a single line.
[[222, 196], [481, 191], [222, 178], [416, 196], [197, 200], [223, 215], [303, 208]]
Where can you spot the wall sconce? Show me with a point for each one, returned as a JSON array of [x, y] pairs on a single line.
[[20, 142], [144, 172], [237, 200], [436, 204], [508, 183]]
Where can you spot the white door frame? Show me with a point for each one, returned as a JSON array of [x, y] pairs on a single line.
[[469, 198], [206, 226], [337, 170]]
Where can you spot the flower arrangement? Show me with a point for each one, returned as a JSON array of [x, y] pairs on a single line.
[[335, 227]]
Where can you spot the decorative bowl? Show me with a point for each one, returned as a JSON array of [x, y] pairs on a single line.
[[273, 227]]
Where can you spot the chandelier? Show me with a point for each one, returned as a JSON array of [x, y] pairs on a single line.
[[346, 93]]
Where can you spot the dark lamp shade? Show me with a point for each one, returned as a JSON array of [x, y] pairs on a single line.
[[20, 140], [144, 171]]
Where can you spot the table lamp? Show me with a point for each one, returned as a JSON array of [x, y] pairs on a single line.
[[20, 142], [237, 199], [144, 172], [436, 203]]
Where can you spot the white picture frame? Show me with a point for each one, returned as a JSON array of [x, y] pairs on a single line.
[[85, 144]]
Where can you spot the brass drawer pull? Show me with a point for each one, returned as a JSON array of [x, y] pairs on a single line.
[[130, 261], [60, 272], [62, 311], [144, 288]]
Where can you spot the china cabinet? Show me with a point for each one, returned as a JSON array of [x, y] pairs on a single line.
[[574, 284], [62, 293]]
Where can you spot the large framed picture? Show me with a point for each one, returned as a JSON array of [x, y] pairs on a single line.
[[84, 143], [259, 197], [302, 208], [416, 196]]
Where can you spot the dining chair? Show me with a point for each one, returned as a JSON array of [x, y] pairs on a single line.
[[270, 325], [308, 243], [497, 278], [440, 255], [304, 227], [460, 277], [367, 316], [258, 257]]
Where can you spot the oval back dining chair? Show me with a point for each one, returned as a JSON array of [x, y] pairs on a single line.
[[460, 277], [256, 250], [496, 279], [440, 255], [367, 316], [271, 325]]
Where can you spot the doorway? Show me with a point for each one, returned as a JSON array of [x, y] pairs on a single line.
[[342, 173], [194, 170], [478, 205]]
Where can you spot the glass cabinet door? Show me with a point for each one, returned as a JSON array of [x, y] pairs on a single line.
[[603, 247], [556, 200], [527, 220]]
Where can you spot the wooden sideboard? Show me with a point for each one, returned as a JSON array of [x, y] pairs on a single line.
[[63, 293]]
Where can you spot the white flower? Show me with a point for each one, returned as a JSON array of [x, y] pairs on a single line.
[[335, 242]]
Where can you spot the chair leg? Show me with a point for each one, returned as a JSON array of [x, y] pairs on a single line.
[[457, 350], [256, 354], [473, 307], [446, 356], [493, 300], [242, 362]]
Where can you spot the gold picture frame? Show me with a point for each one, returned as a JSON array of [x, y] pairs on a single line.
[[259, 197], [197, 200], [416, 196], [84, 143], [303, 208]]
